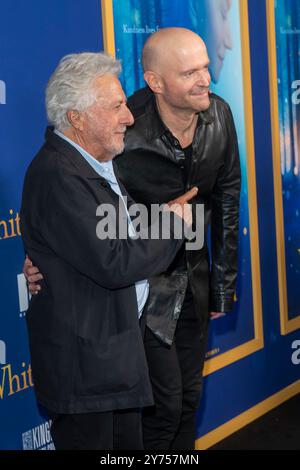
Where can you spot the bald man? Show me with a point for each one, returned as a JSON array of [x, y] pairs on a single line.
[[183, 136]]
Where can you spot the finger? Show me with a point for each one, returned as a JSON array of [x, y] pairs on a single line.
[[28, 261], [174, 206], [187, 196], [33, 270], [26, 266], [35, 278], [214, 316], [34, 288]]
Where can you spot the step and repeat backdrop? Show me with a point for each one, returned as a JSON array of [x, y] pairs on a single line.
[[253, 355]]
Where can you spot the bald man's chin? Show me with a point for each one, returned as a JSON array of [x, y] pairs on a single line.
[[201, 101]]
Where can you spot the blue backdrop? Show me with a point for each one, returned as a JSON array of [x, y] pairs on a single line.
[[288, 60], [33, 37]]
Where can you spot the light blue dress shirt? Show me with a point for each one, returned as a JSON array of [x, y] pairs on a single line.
[[106, 170]]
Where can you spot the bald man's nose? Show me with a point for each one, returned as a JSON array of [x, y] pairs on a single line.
[[204, 79]]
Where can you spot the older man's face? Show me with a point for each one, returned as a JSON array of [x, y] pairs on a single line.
[[106, 120]]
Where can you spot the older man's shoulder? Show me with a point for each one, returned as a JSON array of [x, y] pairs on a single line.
[[49, 163]]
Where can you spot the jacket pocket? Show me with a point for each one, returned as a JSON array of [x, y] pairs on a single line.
[[107, 367]]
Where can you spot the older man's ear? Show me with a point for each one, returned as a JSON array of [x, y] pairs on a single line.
[[76, 119]]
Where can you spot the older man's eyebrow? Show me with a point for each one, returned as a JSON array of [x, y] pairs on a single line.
[[118, 101]]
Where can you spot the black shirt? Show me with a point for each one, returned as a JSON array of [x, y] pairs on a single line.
[[188, 154]]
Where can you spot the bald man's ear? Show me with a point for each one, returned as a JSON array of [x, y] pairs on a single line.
[[154, 81], [75, 119]]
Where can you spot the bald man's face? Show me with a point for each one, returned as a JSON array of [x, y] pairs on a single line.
[[186, 78]]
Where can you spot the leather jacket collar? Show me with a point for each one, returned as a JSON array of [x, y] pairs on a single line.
[[156, 128]]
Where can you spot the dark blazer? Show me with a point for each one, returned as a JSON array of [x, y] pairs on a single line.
[[86, 348]]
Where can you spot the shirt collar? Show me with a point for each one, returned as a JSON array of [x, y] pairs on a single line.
[[156, 127], [104, 169]]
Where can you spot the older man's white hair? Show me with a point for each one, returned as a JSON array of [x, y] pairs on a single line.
[[70, 86]]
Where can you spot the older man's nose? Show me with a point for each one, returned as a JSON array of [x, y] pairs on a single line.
[[128, 118]]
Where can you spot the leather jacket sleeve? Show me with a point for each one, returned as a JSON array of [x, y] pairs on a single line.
[[224, 223]]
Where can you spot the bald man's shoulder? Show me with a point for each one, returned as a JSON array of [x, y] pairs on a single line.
[[219, 108], [136, 102]]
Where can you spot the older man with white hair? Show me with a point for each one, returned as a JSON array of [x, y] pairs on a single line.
[[88, 361]]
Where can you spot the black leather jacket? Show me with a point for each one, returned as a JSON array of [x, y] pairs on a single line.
[[152, 171]]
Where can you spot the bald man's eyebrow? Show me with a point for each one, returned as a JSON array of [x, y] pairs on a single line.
[[206, 64], [184, 72]]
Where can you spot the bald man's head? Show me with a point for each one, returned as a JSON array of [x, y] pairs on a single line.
[[175, 65], [163, 45]]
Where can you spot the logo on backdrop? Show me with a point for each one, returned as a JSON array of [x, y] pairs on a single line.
[[2, 352], [12, 381], [296, 353], [38, 438], [2, 92], [139, 29], [10, 226], [24, 295]]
